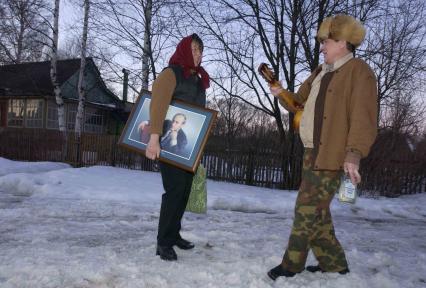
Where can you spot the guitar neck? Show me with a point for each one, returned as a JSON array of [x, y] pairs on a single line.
[[284, 95], [275, 83]]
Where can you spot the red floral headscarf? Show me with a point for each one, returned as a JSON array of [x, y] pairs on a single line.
[[183, 57]]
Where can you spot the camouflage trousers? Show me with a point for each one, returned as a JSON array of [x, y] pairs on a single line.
[[313, 226]]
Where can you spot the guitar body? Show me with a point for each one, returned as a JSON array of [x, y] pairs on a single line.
[[290, 104], [296, 120]]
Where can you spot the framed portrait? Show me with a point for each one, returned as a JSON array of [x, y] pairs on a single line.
[[185, 132]]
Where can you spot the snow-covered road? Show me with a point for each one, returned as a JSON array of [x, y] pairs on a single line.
[[96, 227]]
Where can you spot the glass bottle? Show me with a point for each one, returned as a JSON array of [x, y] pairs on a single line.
[[347, 190]]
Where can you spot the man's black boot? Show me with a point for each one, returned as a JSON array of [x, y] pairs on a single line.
[[278, 271], [316, 268], [184, 244], [166, 253]]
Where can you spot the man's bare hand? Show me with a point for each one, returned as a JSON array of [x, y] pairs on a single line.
[[352, 170], [142, 125], [173, 135], [153, 148]]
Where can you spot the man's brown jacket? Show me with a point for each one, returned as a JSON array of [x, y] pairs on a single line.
[[345, 121]]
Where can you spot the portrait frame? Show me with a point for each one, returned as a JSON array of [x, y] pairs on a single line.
[[196, 123]]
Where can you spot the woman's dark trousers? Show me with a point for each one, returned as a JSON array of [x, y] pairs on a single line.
[[177, 185]]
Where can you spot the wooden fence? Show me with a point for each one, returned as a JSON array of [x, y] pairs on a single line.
[[403, 173]]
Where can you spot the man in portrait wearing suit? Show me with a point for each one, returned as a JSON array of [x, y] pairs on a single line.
[[174, 138]]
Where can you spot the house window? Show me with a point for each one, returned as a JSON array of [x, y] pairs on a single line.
[[16, 113], [93, 121], [34, 113], [71, 116], [52, 116]]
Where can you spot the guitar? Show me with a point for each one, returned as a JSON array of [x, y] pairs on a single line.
[[290, 104]]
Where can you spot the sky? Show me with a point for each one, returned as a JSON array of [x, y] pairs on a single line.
[[68, 15], [96, 227]]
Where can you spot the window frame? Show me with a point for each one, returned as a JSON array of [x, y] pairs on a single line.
[[11, 108], [39, 110]]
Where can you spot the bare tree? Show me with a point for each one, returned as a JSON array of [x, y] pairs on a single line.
[[396, 49], [280, 33], [20, 39], [54, 78], [146, 45], [54, 68], [79, 121], [235, 115], [234, 120], [404, 114], [312, 15], [135, 30], [70, 47]]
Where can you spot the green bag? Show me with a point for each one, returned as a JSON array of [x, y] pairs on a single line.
[[197, 201]]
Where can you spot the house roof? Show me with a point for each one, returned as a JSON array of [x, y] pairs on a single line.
[[33, 78]]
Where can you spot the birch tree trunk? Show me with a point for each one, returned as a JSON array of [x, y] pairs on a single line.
[[81, 89], [146, 45], [20, 40], [54, 79], [79, 121]]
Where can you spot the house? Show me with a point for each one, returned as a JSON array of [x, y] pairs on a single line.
[[27, 99]]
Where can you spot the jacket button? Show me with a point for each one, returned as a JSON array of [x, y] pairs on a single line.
[[329, 90], [320, 143], [325, 117]]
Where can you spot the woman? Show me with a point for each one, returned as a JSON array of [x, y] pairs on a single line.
[[186, 80]]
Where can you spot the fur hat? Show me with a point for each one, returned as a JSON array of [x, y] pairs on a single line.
[[342, 27]]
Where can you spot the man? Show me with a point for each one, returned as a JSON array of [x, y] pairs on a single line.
[[338, 127], [174, 139]]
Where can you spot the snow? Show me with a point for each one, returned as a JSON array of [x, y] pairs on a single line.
[[96, 227], [9, 167]]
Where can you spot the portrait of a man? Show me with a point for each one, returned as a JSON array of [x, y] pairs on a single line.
[[183, 135], [174, 139]]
